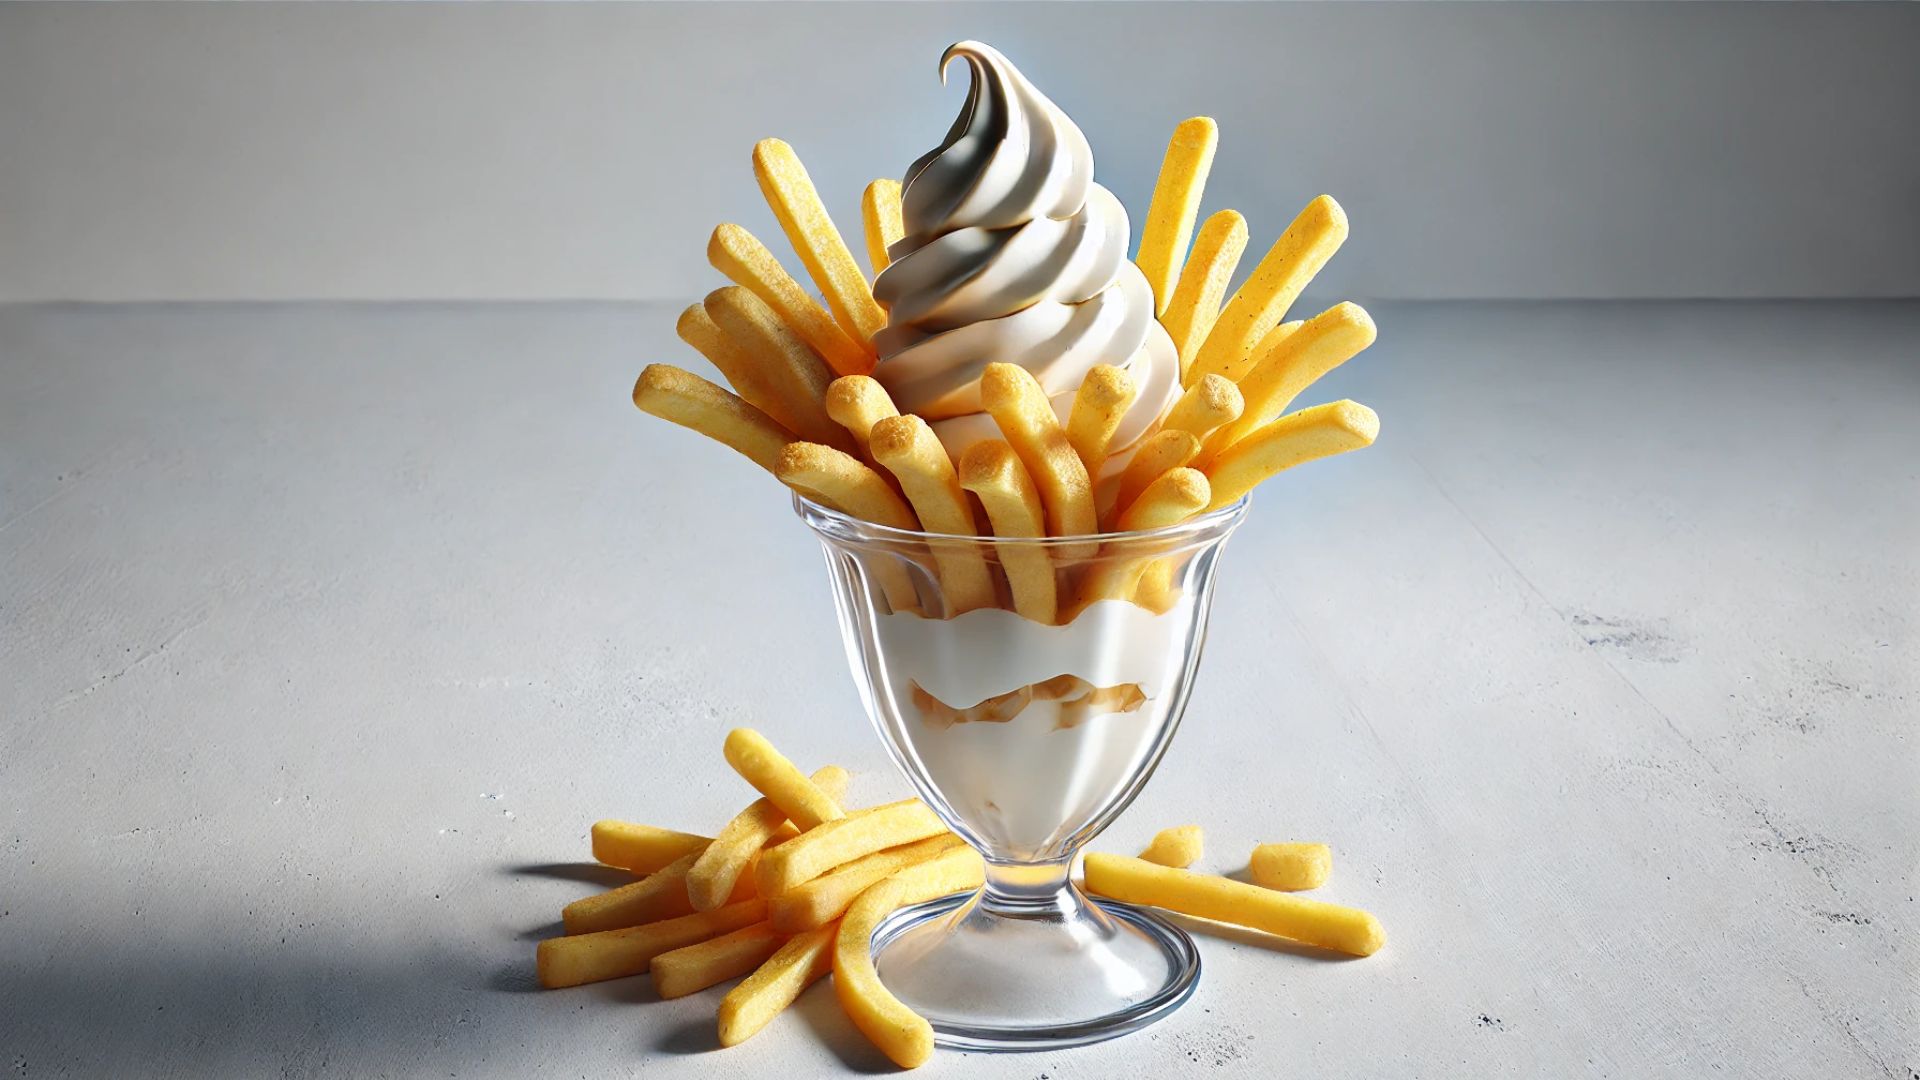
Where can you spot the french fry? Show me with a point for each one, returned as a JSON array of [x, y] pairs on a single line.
[[847, 481], [880, 211], [1263, 300], [825, 898], [908, 448], [817, 851], [790, 194], [1176, 496], [1195, 305], [1021, 409], [795, 376], [1178, 847], [991, 470], [1163, 451], [1291, 866], [1283, 368], [738, 254], [957, 869], [1176, 202], [771, 774], [642, 848], [1297, 918], [1207, 404], [660, 895], [752, 1005], [1296, 438], [615, 954], [857, 402], [742, 370], [684, 398], [1104, 395], [711, 878], [692, 968]]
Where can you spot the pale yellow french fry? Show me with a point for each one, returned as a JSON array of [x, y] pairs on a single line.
[[1176, 496], [795, 375], [1329, 926], [847, 481], [1284, 367], [1208, 404], [692, 968], [790, 193], [1291, 866], [1176, 202], [742, 370], [825, 898], [752, 1005], [1104, 395], [1021, 409], [660, 895], [1195, 306], [857, 402], [615, 954], [909, 449], [803, 802], [1263, 300], [863, 832], [880, 211], [899, 1032], [711, 878], [1296, 438], [683, 398], [642, 848], [1180, 846], [740, 255], [1164, 451], [993, 472]]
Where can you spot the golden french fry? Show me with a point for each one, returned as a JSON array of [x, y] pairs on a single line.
[[752, 1005], [1178, 847], [909, 449], [825, 898], [711, 878], [795, 375], [857, 402], [692, 968], [847, 481], [880, 211], [1176, 496], [1314, 922], [1163, 451], [1291, 866], [790, 194], [1021, 409], [1176, 202], [1263, 300], [1283, 368], [684, 398], [1104, 395], [1190, 315], [614, 954], [991, 470], [660, 895], [771, 774], [863, 832], [748, 377], [642, 848], [1207, 404], [738, 254], [1296, 438]]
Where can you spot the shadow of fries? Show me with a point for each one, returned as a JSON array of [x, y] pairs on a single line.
[[595, 874], [828, 1022]]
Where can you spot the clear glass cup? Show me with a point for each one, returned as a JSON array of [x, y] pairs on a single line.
[[1028, 738]]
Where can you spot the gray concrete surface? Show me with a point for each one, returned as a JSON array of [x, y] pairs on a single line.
[[326, 630]]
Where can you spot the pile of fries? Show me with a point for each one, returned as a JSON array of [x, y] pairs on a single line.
[[805, 408], [794, 886]]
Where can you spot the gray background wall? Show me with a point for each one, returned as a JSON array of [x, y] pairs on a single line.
[[321, 151]]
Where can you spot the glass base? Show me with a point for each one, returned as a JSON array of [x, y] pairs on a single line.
[[1064, 972]]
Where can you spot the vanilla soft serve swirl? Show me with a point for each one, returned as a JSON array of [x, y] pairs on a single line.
[[1013, 254]]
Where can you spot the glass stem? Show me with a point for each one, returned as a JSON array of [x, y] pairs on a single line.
[[1025, 890]]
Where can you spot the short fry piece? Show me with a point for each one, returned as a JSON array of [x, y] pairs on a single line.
[[813, 853], [991, 470], [857, 402], [825, 898], [692, 968], [1291, 866], [1209, 403], [1296, 438], [1178, 847], [1176, 202], [660, 895], [900, 1033], [802, 961], [845, 480], [909, 449], [880, 212], [803, 217], [1104, 395], [614, 954], [642, 848], [684, 398], [1285, 366], [1329, 926], [711, 878], [794, 375], [1190, 315], [771, 774], [740, 255], [1263, 300], [1163, 451], [1021, 409]]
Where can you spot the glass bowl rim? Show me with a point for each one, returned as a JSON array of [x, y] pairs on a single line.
[[840, 526]]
